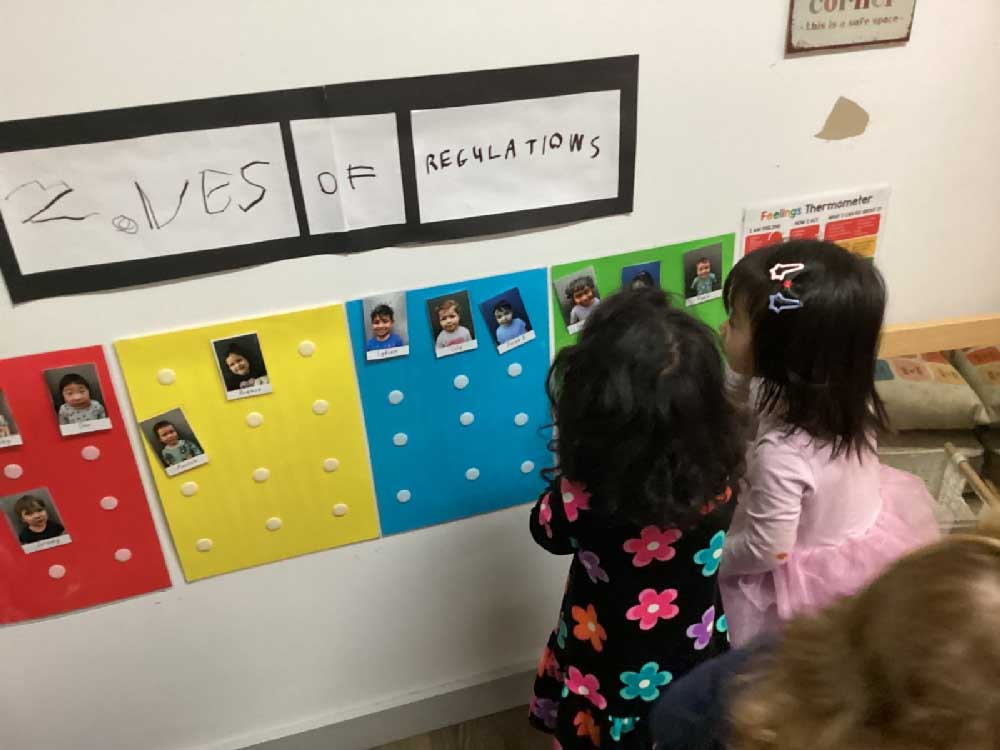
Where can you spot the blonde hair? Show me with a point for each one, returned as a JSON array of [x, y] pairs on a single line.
[[912, 662]]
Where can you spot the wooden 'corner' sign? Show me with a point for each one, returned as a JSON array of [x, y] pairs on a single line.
[[830, 24]]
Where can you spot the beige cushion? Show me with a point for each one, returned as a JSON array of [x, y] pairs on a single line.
[[981, 367], [925, 392]]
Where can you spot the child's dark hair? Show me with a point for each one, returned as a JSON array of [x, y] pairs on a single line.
[[160, 425], [29, 503], [504, 306], [73, 378], [383, 311], [239, 351], [641, 415], [701, 260], [817, 362], [578, 285], [642, 280]]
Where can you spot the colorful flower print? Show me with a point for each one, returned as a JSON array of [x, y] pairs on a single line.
[[545, 514], [652, 544], [546, 710], [645, 683], [653, 607], [586, 686], [548, 665], [585, 727], [588, 628], [575, 498], [621, 725], [710, 558], [592, 564], [561, 632], [702, 631]]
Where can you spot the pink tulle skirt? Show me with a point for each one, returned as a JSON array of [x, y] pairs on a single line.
[[812, 578]]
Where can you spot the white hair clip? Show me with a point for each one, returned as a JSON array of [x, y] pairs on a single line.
[[780, 270]]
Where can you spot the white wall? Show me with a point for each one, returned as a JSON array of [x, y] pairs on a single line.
[[724, 120]]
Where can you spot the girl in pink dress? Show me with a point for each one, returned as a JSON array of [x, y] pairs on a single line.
[[818, 516]]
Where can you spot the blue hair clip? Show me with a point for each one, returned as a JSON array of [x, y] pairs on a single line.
[[779, 302]]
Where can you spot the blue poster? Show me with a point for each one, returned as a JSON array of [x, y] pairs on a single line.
[[452, 383]]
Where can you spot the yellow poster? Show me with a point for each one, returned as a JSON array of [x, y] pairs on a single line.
[[254, 436]]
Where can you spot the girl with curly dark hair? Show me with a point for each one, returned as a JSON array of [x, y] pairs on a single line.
[[648, 446]]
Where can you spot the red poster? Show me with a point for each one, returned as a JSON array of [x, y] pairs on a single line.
[[76, 529]]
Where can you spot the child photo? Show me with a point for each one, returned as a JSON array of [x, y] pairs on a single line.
[[451, 324], [34, 520], [702, 274], [507, 320], [578, 297], [386, 332], [174, 442], [78, 399], [9, 434], [641, 276], [241, 365]]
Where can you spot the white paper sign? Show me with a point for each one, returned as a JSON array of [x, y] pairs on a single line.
[[493, 158], [349, 171], [145, 197]]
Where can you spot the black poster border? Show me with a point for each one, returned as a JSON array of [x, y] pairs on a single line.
[[398, 95]]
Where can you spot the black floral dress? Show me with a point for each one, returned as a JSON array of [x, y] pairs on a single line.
[[641, 609]]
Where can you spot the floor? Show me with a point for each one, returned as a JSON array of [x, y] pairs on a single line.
[[508, 730]]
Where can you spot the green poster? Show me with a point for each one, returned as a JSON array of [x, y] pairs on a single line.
[[692, 272]]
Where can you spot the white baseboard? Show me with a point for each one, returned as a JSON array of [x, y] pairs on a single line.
[[398, 716]]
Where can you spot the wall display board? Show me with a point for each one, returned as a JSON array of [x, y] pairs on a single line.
[[110, 199], [457, 424], [254, 437], [693, 272], [76, 530], [854, 219]]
